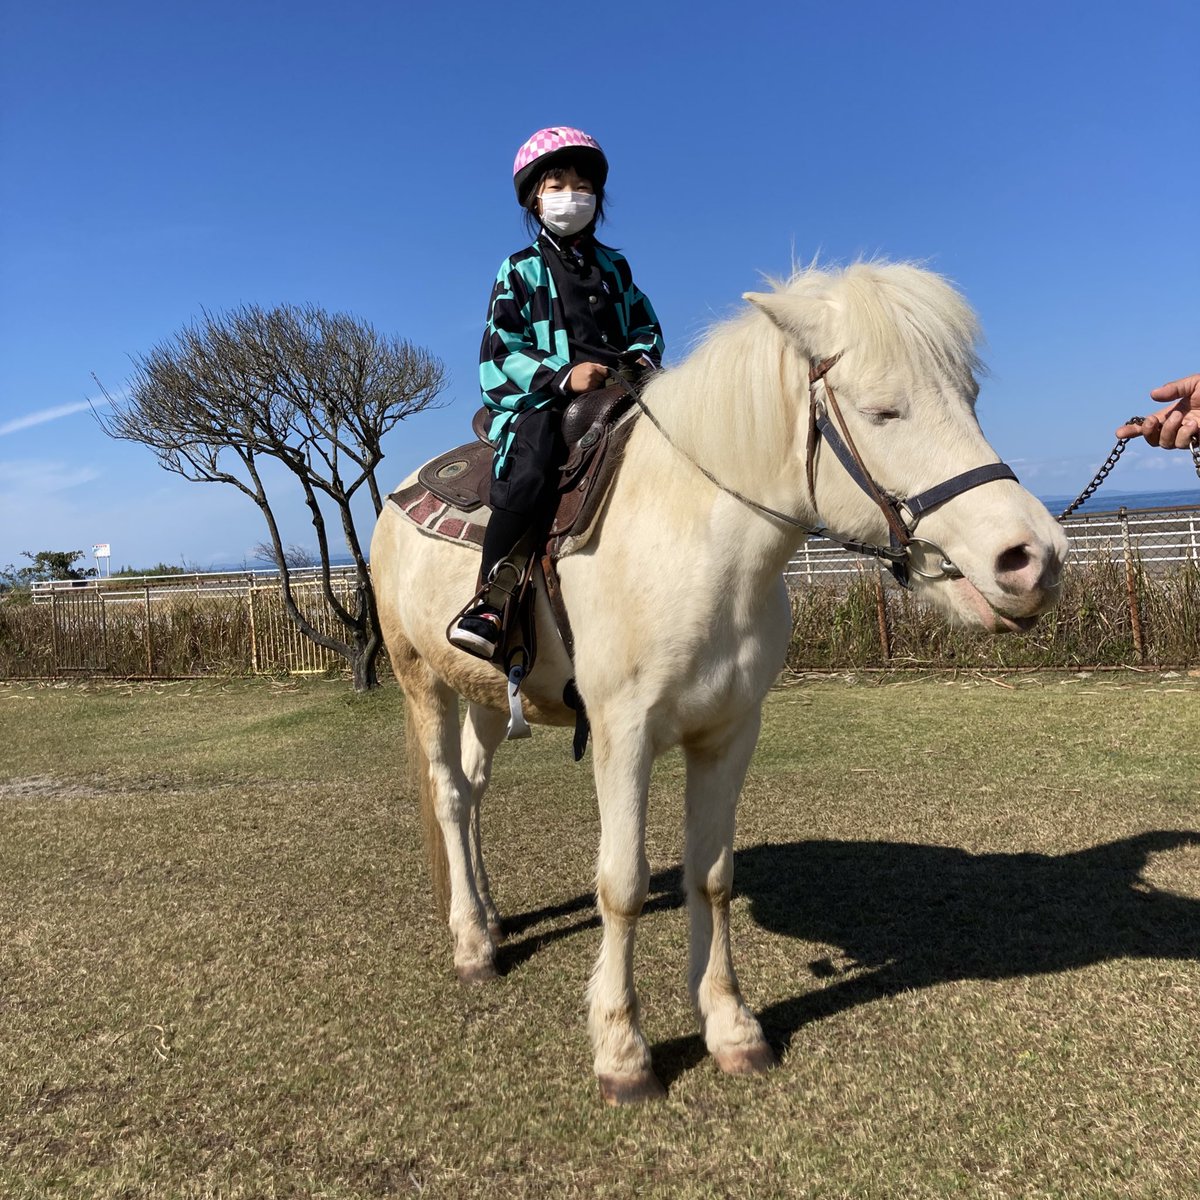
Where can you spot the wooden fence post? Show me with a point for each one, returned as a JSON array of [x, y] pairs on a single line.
[[54, 631], [1135, 615], [253, 632], [103, 631], [881, 611], [149, 637]]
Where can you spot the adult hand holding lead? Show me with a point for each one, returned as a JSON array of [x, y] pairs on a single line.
[[1175, 425]]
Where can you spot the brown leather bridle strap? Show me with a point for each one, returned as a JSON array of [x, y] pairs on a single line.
[[818, 373], [818, 370]]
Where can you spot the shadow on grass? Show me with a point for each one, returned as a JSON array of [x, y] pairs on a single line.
[[912, 916], [907, 916], [666, 892]]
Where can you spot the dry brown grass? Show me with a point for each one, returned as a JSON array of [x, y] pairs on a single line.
[[837, 627], [967, 910]]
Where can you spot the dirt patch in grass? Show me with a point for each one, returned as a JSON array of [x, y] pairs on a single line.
[[43, 788]]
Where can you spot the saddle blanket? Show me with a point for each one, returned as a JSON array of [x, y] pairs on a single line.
[[438, 518]]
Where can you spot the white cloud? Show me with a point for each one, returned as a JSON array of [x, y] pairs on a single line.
[[1143, 458], [34, 476], [1042, 471], [50, 414], [1141, 469]]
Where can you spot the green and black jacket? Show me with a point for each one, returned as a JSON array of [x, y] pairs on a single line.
[[526, 351]]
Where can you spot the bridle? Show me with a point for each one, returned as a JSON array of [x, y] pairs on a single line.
[[901, 514]]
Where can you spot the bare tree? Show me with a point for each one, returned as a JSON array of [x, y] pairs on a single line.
[[295, 556], [314, 391]]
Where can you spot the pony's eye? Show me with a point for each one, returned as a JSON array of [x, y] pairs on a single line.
[[881, 416]]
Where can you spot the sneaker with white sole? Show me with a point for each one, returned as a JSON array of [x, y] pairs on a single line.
[[478, 632]]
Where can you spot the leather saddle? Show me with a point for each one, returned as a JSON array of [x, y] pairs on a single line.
[[595, 427]]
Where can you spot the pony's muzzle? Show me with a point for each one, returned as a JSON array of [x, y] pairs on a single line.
[[1028, 574]]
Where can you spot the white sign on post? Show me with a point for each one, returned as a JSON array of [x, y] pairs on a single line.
[[101, 550]]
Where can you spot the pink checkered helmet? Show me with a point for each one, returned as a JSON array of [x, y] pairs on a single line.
[[557, 146]]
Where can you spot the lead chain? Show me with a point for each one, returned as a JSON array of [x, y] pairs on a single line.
[[1102, 474], [1117, 451]]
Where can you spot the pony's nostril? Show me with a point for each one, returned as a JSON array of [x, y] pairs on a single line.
[[1013, 560]]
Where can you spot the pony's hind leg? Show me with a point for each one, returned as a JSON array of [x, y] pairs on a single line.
[[444, 788], [483, 731], [715, 771], [621, 1056]]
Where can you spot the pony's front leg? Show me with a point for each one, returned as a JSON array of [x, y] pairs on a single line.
[[716, 769], [621, 1056], [483, 731]]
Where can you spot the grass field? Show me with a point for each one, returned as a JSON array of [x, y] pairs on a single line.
[[967, 911]]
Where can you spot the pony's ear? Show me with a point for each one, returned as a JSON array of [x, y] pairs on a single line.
[[791, 314], [767, 302]]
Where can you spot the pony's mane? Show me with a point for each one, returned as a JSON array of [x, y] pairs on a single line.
[[889, 319], [892, 314]]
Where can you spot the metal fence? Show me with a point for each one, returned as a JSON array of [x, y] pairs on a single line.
[[277, 645], [1131, 598], [220, 625], [133, 588], [236, 623], [1157, 538]]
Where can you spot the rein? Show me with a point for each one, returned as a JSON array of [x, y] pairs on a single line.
[[762, 508], [901, 515]]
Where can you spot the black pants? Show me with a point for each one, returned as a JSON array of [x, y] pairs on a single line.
[[526, 495]]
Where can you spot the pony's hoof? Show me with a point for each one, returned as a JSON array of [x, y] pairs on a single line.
[[631, 1089], [747, 1060], [483, 972]]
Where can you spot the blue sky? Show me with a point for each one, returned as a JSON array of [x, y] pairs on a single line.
[[162, 159]]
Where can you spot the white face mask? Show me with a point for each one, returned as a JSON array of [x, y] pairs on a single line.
[[567, 212]]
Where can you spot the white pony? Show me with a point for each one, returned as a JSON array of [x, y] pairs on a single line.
[[680, 615]]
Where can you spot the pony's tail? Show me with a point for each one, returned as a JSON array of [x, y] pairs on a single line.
[[431, 832]]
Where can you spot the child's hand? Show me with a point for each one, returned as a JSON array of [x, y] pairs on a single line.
[[586, 377]]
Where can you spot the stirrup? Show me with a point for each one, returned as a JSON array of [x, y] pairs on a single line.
[[518, 727]]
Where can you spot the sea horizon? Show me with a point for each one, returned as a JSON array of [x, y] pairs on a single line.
[[1110, 501]]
